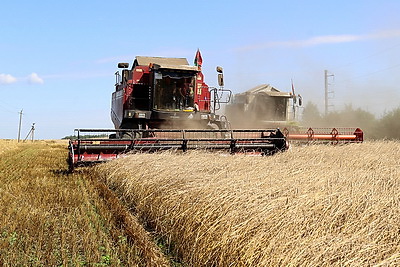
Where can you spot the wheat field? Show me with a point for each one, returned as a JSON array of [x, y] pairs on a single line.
[[311, 206], [51, 218]]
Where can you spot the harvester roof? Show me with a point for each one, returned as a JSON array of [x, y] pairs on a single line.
[[165, 63], [268, 90]]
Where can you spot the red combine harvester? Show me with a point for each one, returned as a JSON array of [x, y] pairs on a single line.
[[164, 103], [266, 106]]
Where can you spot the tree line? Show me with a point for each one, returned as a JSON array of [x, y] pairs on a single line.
[[385, 127]]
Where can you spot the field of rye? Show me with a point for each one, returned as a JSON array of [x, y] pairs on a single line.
[[313, 205]]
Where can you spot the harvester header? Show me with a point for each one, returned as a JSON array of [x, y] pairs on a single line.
[[324, 135], [92, 147]]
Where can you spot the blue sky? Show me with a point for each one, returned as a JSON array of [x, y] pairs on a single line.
[[58, 58]]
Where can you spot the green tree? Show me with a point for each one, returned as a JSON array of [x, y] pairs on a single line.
[[348, 117], [389, 125], [311, 115]]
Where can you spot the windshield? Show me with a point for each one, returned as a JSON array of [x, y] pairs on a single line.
[[174, 91]]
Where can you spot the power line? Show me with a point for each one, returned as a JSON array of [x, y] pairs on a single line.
[[7, 110], [367, 57], [370, 73], [388, 68], [6, 107]]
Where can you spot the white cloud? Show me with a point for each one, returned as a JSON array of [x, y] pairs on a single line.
[[35, 79], [7, 79], [325, 39]]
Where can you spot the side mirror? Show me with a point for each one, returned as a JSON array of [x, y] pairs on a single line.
[[123, 65], [220, 79], [220, 76]]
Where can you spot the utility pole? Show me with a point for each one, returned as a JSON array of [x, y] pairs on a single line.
[[19, 128], [31, 132], [327, 92]]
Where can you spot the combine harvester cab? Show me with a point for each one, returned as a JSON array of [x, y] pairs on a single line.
[[324, 135], [98, 148]]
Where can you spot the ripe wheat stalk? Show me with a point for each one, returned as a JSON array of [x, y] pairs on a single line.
[[313, 205]]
